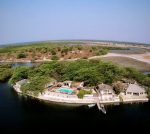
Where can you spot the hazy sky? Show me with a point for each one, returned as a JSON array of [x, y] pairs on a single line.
[[34, 20]]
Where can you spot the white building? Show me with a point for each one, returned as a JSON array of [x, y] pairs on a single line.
[[135, 90], [106, 92], [67, 83]]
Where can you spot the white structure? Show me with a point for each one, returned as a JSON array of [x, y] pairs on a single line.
[[67, 83], [135, 90], [20, 83], [106, 92]]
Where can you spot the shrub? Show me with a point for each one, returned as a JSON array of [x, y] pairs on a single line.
[[102, 52], [55, 57], [80, 47], [21, 55], [5, 72], [65, 50], [85, 57], [82, 93], [53, 52]]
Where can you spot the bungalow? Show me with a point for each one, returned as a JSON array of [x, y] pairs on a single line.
[[135, 90], [106, 92]]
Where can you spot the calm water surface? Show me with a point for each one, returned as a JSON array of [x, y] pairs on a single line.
[[20, 114]]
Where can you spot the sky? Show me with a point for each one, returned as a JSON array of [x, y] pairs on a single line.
[[39, 20]]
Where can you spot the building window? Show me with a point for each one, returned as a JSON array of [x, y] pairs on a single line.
[[129, 92], [136, 94]]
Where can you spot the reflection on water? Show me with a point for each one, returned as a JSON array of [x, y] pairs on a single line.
[[22, 113], [28, 64]]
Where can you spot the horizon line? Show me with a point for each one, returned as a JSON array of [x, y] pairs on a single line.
[[57, 40]]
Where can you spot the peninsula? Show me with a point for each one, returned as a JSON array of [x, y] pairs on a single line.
[[77, 74]]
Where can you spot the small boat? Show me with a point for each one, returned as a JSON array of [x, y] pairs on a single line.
[[91, 105], [103, 109]]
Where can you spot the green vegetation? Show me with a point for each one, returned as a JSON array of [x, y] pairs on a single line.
[[138, 76], [102, 51], [19, 73], [67, 50], [53, 52], [82, 93], [91, 72], [5, 72], [35, 86], [55, 57], [21, 55]]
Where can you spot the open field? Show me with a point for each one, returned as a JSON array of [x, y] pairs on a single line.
[[128, 62]]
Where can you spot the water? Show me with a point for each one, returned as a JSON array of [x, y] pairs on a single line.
[[131, 51], [29, 64], [21, 114], [65, 90]]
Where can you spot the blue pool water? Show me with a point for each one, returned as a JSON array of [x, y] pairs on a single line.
[[65, 90]]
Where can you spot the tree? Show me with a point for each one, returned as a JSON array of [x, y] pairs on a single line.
[[132, 73], [5, 72], [146, 81], [19, 73], [65, 50], [80, 47], [90, 76], [102, 52], [35, 85], [53, 52], [110, 72], [118, 87], [55, 57], [21, 55]]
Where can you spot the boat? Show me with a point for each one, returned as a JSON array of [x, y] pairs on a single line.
[[91, 105], [102, 108]]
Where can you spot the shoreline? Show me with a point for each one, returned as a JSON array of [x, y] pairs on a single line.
[[138, 57], [80, 102]]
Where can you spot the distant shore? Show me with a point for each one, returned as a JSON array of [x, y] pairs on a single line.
[[139, 57]]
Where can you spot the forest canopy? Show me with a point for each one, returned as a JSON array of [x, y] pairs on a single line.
[[91, 72]]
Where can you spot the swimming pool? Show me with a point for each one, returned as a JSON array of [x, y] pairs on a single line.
[[65, 90]]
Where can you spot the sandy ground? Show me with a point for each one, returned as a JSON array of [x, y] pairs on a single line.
[[139, 57]]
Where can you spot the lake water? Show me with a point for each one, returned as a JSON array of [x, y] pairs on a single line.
[[21, 114], [24, 114]]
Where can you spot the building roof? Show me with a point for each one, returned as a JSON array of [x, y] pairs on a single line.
[[135, 88], [67, 82], [104, 86]]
